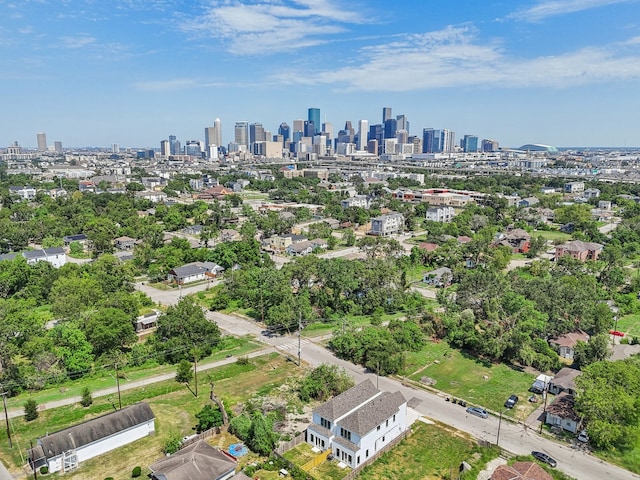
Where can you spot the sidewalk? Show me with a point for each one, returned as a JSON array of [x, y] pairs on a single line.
[[15, 413]]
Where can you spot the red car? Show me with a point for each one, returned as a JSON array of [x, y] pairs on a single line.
[[616, 333]]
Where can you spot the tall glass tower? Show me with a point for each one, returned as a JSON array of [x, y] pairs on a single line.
[[314, 116]]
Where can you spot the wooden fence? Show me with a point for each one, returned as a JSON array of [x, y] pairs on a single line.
[[316, 461], [354, 473], [294, 442]]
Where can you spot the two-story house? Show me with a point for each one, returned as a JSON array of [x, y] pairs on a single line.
[[358, 423]]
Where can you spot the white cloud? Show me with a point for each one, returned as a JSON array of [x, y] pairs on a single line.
[[79, 41], [453, 58], [272, 26], [550, 8]]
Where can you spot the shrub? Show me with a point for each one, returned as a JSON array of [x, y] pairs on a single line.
[[44, 470], [87, 399], [137, 471], [108, 478], [30, 410], [172, 445], [243, 361]]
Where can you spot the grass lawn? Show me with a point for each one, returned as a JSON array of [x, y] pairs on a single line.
[[630, 325], [430, 452], [474, 380], [319, 329], [329, 471], [174, 406], [102, 379], [552, 235]]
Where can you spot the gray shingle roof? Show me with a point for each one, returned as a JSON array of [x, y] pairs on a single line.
[[347, 401], [376, 411], [96, 429], [198, 461]]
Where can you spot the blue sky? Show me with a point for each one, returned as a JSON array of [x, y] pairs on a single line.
[[96, 72]]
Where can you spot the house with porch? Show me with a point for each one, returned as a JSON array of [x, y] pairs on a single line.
[[564, 381], [358, 423], [579, 249], [193, 272]]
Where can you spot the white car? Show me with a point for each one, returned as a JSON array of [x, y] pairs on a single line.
[[583, 437]]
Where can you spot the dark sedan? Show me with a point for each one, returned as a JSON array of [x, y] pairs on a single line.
[[543, 457]]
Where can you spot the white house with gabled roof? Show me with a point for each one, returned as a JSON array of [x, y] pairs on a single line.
[[358, 423]]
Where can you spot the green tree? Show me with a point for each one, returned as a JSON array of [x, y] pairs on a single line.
[[324, 382], [183, 327], [30, 410], [184, 373], [86, 399], [349, 238], [595, 350], [261, 438], [208, 417], [608, 398], [110, 329], [101, 232]]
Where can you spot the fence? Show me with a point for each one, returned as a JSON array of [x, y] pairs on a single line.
[[201, 436], [354, 473], [316, 461], [294, 442]]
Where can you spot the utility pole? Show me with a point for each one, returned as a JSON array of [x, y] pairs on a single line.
[[33, 464], [6, 417], [299, 339], [195, 369], [118, 385]]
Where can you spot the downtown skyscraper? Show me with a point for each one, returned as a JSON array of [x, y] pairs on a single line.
[[313, 115], [241, 133]]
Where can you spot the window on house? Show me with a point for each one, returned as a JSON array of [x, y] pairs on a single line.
[[325, 423], [311, 437], [322, 443], [378, 427], [383, 439], [394, 418], [367, 453], [350, 459], [387, 422], [357, 459], [345, 433]]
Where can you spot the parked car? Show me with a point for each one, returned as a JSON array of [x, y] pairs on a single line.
[[616, 333], [511, 401], [478, 412], [543, 457], [583, 437]]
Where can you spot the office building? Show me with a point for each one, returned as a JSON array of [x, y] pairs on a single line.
[[431, 140], [402, 123], [447, 140], [241, 133], [115, 148], [469, 144], [402, 136], [193, 148], [285, 131], [217, 132], [42, 141], [309, 128], [174, 145], [57, 147], [313, 115], [209, 137], [417, 143], [386, 114], [363, 134], [372, 146], [376, 132], [490, 145], [390, 127], [165, 148], [256, 133]]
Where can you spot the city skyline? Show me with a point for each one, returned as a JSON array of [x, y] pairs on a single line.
[[133, 73]]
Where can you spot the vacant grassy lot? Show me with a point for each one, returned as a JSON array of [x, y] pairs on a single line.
[[430, 452], [630, 325], [474, 380], [172, 403], [552, 235]]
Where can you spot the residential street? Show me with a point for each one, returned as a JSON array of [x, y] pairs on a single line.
[[514, 437]]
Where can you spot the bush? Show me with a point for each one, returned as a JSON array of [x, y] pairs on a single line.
[[137, 471], [243, 361], [108, 478], [44, 470], [172, 445], [86, 399], [30, 410]]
